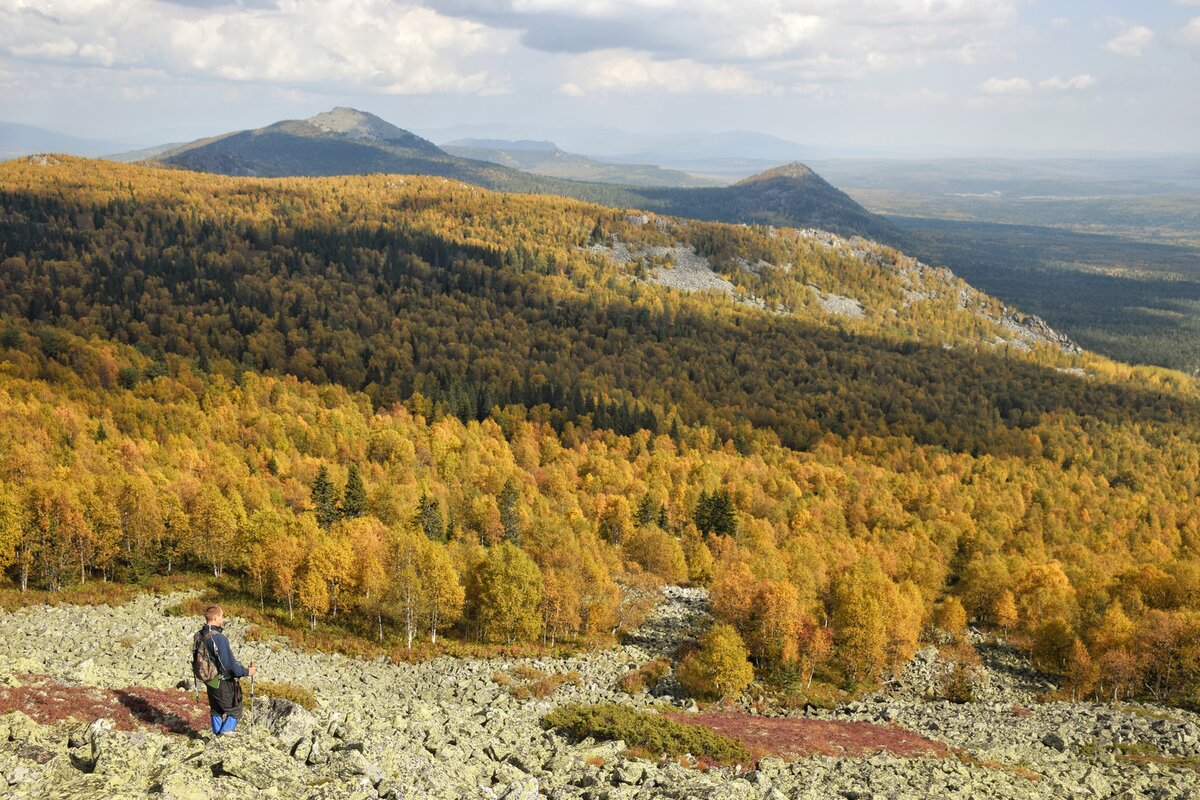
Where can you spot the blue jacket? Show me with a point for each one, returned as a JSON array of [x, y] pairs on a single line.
[[219, 650]]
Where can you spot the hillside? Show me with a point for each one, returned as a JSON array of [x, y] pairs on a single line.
[[545, 158], [345, 141], [422, 415], [791, 195]]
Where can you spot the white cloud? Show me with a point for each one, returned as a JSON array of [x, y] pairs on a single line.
[[626, 71], [996, 87], [1077, 83], [813, 39], [375, 44], [1011, 87], [1189, 35], [1131, 42]]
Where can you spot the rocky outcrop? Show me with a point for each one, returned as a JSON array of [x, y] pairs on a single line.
[[688, 270]]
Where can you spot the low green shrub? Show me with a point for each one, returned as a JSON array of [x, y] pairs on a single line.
[[650, 732]]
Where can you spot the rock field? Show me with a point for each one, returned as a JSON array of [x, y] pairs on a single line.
[[445, 729]]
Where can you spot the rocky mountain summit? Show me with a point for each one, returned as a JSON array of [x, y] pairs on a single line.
[[450, 728], [350, 123]]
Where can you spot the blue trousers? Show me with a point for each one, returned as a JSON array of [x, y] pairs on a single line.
[[223, 724]]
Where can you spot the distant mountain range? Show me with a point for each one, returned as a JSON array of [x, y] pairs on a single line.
[[19, 140], [346, 141], [546, 158]]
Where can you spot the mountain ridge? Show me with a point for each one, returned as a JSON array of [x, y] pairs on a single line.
[[346, 141], [548, 159]]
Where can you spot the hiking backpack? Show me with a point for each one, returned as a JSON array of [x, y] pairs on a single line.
[[204, 668]]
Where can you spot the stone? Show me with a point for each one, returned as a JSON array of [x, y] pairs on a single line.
[[523, 789], [259, 766], [1055, 741], [629, 772], [286, 721], [183, 783]]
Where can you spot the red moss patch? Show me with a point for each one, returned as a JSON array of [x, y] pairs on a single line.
[[796, 738], [48, 701]]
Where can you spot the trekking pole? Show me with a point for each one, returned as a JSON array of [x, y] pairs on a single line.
[[196, 689], [250, 705]]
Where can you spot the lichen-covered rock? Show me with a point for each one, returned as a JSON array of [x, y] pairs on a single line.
[[262, 767], [285, 721]]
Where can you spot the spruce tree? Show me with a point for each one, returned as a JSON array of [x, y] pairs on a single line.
[[715, 514], [647, 511], [429, 518], [509, 520], [354, 497], [324, 499]]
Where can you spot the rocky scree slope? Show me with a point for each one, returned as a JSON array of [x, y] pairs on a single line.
[[918, 282], [446, 729]]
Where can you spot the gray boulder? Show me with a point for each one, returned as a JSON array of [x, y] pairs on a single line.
[[286, 721]]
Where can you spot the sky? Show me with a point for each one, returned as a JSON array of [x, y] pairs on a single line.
[[860, 76]]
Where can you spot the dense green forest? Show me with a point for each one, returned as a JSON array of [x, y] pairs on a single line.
[[428, 407]]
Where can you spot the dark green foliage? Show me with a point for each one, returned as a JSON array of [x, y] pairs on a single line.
[[1137, 302], [715, 514], [101, 433], [324, 499], [654, 733], [429, 518], [354, 497], [649, 511], [509, 500]]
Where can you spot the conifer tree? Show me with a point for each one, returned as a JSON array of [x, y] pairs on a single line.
[[715, 514], [354, 497], [324, 499], [510, 519], [429, 518], [648, 511]]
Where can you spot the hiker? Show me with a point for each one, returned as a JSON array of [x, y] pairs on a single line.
[[214, 664]]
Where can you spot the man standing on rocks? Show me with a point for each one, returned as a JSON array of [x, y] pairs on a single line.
[[224, 691]]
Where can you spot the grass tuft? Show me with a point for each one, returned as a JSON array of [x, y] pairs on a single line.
[[300, 695], [645, 677]]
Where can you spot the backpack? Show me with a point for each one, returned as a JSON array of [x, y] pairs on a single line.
[[204, 668]]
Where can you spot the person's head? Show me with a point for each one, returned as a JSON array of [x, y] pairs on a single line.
[[213, 615]]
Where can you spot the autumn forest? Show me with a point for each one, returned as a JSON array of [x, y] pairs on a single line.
[[432, 414]]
